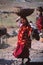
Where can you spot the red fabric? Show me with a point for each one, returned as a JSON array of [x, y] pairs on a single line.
[[22, 39], [21, 32], [38, 23], [18, 51]]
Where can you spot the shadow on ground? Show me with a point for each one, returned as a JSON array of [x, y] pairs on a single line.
[[4, 45], [6, 62], [11, 62], [15, 62]]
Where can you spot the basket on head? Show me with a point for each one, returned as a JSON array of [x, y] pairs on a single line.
[[25, 12]]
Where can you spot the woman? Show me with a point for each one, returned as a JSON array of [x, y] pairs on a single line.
[[39, 22], [24, 40]]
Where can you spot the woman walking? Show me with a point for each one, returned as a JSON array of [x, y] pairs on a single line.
[[24, 40]]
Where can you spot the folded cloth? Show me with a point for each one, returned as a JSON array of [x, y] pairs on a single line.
[[18, 50]]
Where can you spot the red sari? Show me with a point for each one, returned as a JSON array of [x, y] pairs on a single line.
[[39, 23], [24, 42]]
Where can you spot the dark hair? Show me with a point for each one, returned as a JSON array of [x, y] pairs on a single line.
[[40, 14], [40, 9], [27, 23]]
